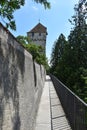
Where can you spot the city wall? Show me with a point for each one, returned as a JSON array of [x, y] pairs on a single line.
[[21, 84]]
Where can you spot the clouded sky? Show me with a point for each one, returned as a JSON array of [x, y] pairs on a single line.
[[55, 19]]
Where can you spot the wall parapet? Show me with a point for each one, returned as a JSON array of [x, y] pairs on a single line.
[[19, 92]]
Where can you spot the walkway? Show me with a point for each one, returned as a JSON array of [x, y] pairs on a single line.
[[50, 114]]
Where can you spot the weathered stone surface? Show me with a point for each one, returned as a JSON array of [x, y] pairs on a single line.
[[19, 95]]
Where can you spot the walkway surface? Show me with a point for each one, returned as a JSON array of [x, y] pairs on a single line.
[[50, 114]]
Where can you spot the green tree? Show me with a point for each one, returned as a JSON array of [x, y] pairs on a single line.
[[36, 51], [68, 70], [78, 42], [24, 40], [73, 62], [31, 47], [78, 36], [8, 7], [38, 55], [57, 52], [74, 58]]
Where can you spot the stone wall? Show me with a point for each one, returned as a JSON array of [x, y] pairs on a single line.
[[21, 84]]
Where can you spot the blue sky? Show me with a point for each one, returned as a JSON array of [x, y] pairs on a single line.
[[55, 19]]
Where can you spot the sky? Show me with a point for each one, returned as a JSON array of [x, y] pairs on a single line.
[[55, 19]]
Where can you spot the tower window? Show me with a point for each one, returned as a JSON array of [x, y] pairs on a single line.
[[39, 34], [32, 34]]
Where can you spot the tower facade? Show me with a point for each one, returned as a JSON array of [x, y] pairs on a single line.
[[38, 35]]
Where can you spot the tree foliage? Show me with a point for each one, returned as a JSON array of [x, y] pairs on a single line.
[[36, 51], [24, 40], [44, 2], [72, 66], [57, 51], [38, 55], [8, 7]]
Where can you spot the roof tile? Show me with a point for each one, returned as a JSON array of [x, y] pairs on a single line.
[[39, 28]]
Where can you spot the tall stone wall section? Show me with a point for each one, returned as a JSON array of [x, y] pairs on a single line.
[[21, 84]]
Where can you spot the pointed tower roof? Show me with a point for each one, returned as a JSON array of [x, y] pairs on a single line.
[[39, 28]]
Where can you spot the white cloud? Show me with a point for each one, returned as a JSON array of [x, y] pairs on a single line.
[[53, 1], [35, 8]]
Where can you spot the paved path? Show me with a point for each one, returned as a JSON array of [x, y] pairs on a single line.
[[50, 114]]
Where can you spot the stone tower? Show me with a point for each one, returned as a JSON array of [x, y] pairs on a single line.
[[38, 35]]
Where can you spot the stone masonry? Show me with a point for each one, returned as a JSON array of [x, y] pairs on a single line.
[[21, 84]]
